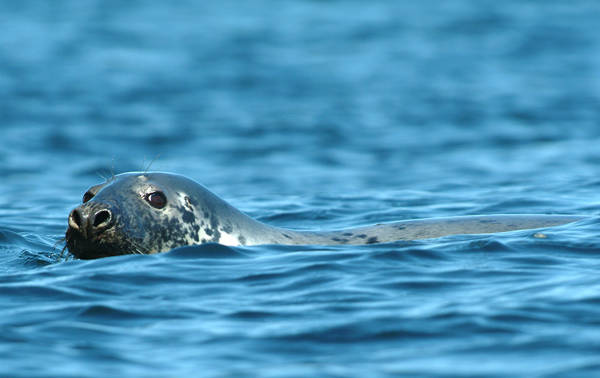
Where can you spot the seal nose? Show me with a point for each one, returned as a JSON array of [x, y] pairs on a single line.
[[90, 223]]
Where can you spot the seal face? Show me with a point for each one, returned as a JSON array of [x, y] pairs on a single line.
[[139, 214], [142, 213]]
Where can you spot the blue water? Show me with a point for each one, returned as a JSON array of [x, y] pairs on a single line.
[[309, 115]]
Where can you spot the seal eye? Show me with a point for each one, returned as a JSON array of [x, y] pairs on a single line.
[[87, 196], [156, 199]]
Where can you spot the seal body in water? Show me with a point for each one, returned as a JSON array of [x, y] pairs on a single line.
[[141, 213]]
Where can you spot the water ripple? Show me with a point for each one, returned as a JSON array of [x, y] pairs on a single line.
[[314, 115]]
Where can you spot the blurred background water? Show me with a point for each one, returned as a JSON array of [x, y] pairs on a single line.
[[309, 115]]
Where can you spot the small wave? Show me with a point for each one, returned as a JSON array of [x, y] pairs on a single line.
[[205, 251]]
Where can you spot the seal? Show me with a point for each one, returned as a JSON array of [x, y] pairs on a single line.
[[143, 213]]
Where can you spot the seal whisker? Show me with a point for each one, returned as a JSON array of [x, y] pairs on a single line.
[[135, 247], [150, 163], [62, 250], [67, 256], [112, 168], [61, 240]]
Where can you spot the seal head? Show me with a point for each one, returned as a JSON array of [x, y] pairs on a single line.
[[137, 213]]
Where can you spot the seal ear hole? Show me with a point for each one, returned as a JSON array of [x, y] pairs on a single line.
[[87, 196], [156, 199]]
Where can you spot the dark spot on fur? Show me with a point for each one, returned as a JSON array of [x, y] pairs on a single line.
[[208, 231], [399, 227], [372, 240], [341, 240], [242, 240], [347, 234], [362, 236], [189, 203], [190, 200], [204, 240], [286, 235], [188, 217], [228, 228]]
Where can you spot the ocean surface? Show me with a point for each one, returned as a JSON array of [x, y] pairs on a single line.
[[312, 115]]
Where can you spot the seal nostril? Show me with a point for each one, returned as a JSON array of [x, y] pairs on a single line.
[[75, 219], [102, 218]]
